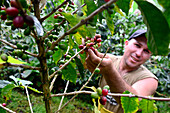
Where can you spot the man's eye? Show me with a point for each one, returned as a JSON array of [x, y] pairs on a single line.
[[137, 45], [146, 51]]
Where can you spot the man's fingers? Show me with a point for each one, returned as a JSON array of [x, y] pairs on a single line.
[[94, 58]]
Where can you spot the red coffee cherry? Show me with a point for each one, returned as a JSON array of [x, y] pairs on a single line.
[[92, 48], [104, 92], [72, 3], [60, 10], [106, 0], [12, 11], [99, 40], [3, 17], [14, 4], [18, 21], [91, 44], [103, 100], [81, 46], [28, 20], [55, 16], [98, 36], [3, 8], [4, 104]]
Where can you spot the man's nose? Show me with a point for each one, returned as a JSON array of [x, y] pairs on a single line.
[[139, 52]]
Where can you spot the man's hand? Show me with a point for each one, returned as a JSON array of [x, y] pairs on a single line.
[[94, 58]]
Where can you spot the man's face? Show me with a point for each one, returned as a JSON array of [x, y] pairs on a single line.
[[136, 52]]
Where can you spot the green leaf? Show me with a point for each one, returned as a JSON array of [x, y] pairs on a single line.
[[91, 7], [92, 88], [147, 106], [14, 79], [78, 38], [73, 20], [12, 60], [129, 104], [26, 82], [7, 91], [57, 55], [3, 83], [71, 42], [95, 107], [33, 89], [166, 4], [26, 73], [158, 34], [124, 5], [69, 73], [110, 23], [80, 67]]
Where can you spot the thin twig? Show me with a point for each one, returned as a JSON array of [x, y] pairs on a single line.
[[85, 83], [63, 95], [54, 10], [7, 109], [20, 65], [66, 63], [28, 99], [52, 83], [113, 94], [15, 47]]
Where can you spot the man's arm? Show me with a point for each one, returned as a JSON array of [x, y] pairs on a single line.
[[143, 87]]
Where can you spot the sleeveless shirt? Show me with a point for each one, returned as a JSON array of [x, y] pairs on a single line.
[[141, 73]]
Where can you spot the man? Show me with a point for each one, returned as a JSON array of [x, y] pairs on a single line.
[[125, 72]]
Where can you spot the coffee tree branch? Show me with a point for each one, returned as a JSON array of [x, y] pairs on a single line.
[[113, 94], [20, 65], [15, 47]]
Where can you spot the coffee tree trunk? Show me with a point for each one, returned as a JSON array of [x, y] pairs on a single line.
[[44, 75]]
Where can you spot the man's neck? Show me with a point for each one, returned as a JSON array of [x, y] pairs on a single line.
[[123, 68]]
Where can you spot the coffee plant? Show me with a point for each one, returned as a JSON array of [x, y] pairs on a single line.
[[43, 44]]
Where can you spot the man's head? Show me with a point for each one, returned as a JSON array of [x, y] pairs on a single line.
[[138, 33], [136, 50]]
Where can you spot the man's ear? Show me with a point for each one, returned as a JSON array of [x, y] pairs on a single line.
[[126, 43]]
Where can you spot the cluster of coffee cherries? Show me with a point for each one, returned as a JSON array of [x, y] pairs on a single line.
[[101, 93], [15, 16], [91, 43]]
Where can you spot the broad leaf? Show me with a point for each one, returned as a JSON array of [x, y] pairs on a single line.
[[69, 73], [73, 20], [158, 34], [78, 38], [95, 107], [124, 5], [3, 83], [26, 73], [57, 55], [91, 7], [25, 82], [12, 60], [110, 23], [7, 91], [166, 4], [80, 67], [129, 104], [147, 106]]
